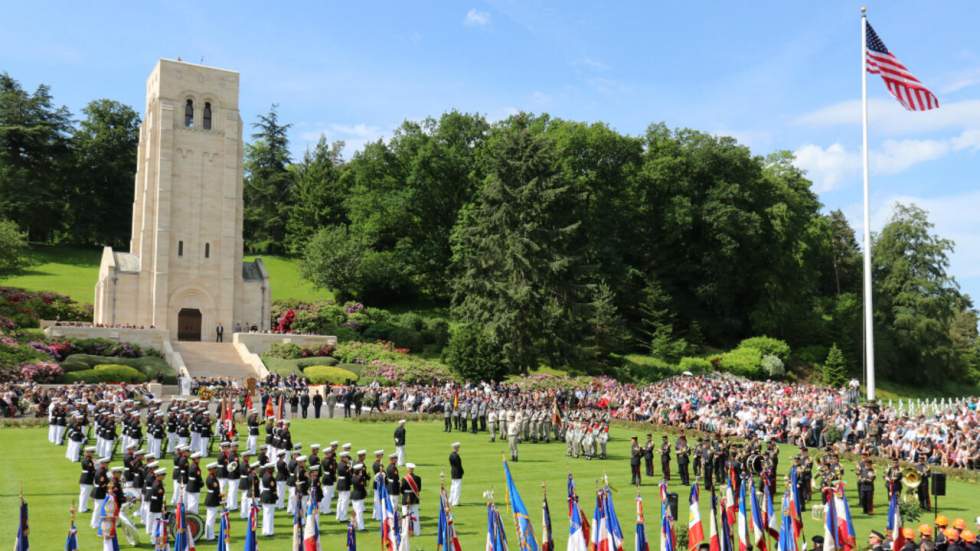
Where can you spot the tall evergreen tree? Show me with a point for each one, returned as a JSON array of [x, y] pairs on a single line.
[[34, 158], [834, 368], [102, 182], [318, 194], [520, 276], [268, 184]]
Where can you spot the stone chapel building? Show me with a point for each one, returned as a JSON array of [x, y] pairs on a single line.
[[184, 271]]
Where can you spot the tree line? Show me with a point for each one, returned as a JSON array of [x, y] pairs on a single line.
[[552, 241]]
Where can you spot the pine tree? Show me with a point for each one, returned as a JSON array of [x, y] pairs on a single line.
[[605, 331], [515, 250], [268, 184], [835, 368]]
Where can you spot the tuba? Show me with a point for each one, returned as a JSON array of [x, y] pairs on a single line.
[[911, 480]]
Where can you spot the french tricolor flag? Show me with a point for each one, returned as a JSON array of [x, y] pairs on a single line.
[[713, 541], [846, 537], [695, 531], [311, 530], [895, 523]]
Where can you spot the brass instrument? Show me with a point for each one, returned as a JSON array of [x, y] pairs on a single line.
[[911, 479]]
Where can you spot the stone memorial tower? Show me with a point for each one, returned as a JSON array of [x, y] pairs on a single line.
[[184, 271]]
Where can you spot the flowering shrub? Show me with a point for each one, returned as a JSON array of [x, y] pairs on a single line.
[[409, 370], [291, 351], [20, 308], [41, 372]]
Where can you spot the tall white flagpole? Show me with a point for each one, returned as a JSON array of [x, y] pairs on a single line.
[[869, 341]]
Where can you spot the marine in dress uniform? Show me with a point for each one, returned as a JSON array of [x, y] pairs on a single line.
[[343, 486], [86, 480], [411, 490], [212, 500], [328, 478], [455, 475], [358, 494], [400, 442], [269, 499], [194, 482], [377, 478], [155, 506], [393, 480]]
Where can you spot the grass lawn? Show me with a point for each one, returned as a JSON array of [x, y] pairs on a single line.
[[70, 271], [50, 484], [73, 271], [286, 282]]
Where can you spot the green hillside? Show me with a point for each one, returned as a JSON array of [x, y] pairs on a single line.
[[73, 271]]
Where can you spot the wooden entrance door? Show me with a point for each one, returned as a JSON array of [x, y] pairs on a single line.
[[189, 324]]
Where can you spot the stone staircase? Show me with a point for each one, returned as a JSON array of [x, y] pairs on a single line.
[[213, 359]]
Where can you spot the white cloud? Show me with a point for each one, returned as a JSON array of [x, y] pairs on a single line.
[[476, 18], [590, 64], [829, 167], [961, 80], [888, 117], [354, 136]]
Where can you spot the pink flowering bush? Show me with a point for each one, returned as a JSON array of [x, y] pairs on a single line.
[[41, 372]]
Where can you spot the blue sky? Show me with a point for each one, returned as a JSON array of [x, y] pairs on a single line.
[[780, 75]]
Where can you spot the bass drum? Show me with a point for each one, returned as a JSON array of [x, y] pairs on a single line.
[[194, 523]]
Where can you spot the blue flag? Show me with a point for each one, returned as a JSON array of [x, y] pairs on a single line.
[[525, 530], [71, 542], [496, 537], [22, 529], [251, 541], [351, 537], [223, 533]]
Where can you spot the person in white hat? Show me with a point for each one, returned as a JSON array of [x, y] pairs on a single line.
[[195, 482], [269, 499], [358, 493], [400, 442], [154, 510], [411, 492], [253, 430], [377, 478], [343, 486], [87, 480], [328, 478], [455, 475], [212, 501]]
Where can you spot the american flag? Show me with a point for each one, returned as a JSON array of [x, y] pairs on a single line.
[[900, 82]]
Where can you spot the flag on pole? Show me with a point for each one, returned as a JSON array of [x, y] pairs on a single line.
[[522, 518], [796, 509], [351, 538], [161, 535], [71, 542], [496, 537], [668, 541], [726, 528], [846, 537], [603, 538], [311, 528], [446, 538], [900, 82], [183, 540], [714, 543], [787, 530], [228, 418], [743, 524], [251, 541], [547, 537], [390, 527], [758, 530], [109, 514], [895, 523], [224, 532], [23, 529], [614, 527], [578, 531], [269, 410], [582, 522], [695, 531], [405, 538], [641, 530], [729, 504], [298, 526], [771, 519], [829, 526]]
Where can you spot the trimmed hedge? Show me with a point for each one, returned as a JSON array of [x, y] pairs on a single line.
[[151, 367], [327, 374], [746, 362], [107, 373]]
